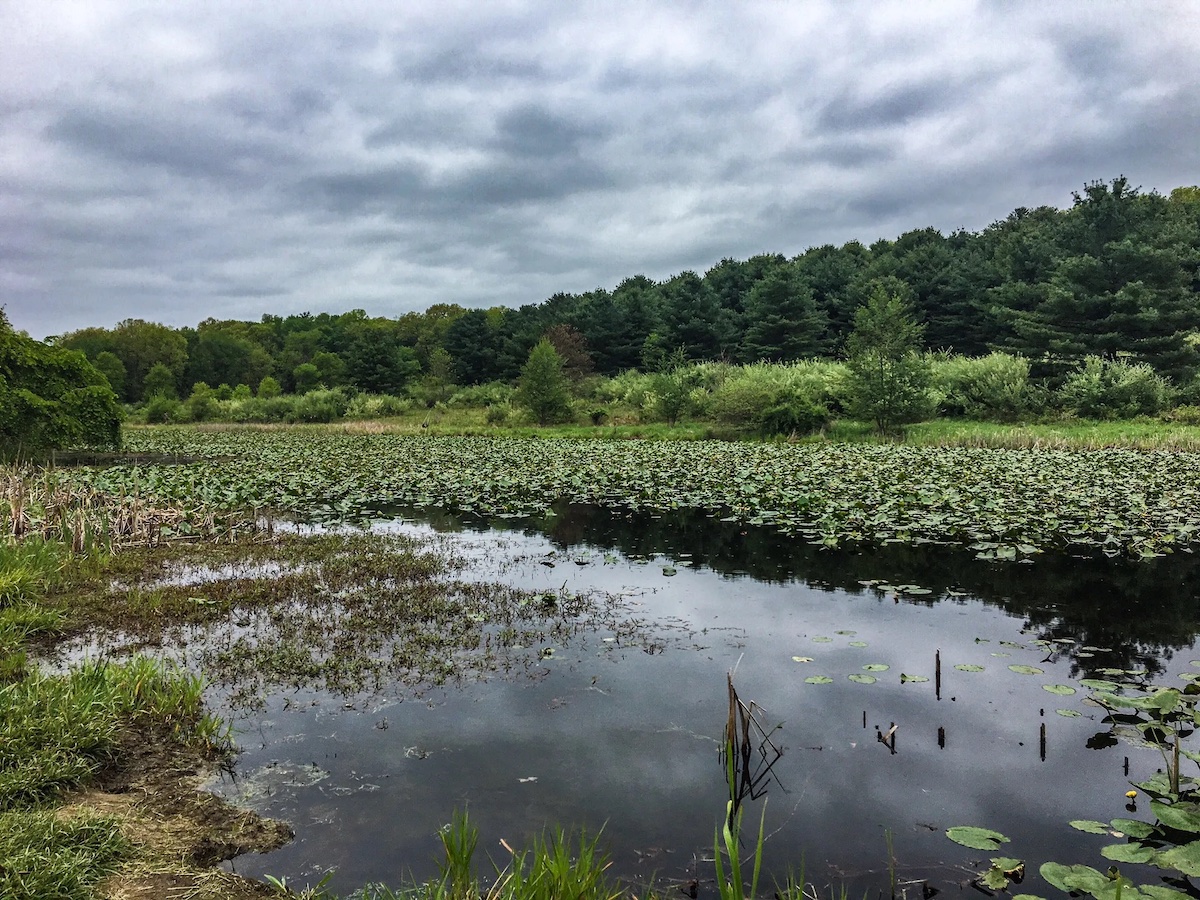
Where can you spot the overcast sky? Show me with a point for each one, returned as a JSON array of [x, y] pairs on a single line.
[[179, 160]]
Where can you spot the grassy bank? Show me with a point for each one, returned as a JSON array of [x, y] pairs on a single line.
[[1064, 434], [95, 793]]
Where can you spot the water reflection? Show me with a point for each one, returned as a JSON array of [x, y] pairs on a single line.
[[1138, 611], [901, 714]]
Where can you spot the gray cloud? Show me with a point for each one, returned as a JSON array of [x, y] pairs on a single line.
[[229, 160]]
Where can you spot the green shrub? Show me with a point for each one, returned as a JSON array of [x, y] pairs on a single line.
[[742, 401], [1115, 389], [268, 388], [202, 405], [748, 392], [794, 415], [481, 396], [376, 406], [993, 387], [629, 388], [1188, 414], [497, 415], [161, 409], [318, 406]]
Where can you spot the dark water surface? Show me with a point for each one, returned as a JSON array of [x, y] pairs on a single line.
[[627, 738]]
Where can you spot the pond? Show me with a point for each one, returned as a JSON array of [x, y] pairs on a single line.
[[624, 737]]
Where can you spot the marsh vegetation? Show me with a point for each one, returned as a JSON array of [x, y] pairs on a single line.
[[533, 628]]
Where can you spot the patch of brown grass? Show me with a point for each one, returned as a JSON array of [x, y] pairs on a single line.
[[179, 831]]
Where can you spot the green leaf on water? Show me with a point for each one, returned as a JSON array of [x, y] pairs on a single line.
[[1069, 713], [968, 667], [1135, 828], [1184, 816], [1026, 670], [915, 679], [1003, 870], [859, 678], [1091, 826], [857, 644], [1073, 878], [1062, 690], [1128, 853], [976, 838], [846, 633], [818, 679], [821, 639], [668, 570], [876, 667], [802, 659], [1160, 892], [1185, 858]]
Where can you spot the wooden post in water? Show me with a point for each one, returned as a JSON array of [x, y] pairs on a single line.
[[937, 674], [1042, 742], [941, 737]]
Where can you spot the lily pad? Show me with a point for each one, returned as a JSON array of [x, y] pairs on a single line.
[[1091, 826], [818, 679], [669, 570], [1185, 858], [968, 667], [876, 667], [1026, 670], [821, 639], [1063, 690], [976, 838], [915, 679], [857, 644], [1133, 827], [859, 678], [1069, 713], [802, 659]]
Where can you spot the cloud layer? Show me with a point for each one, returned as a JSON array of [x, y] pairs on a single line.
[[193, 159]]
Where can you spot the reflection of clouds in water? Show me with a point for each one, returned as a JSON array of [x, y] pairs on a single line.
[[633, 745]]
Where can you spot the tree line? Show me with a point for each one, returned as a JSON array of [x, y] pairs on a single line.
[[1115, 276]]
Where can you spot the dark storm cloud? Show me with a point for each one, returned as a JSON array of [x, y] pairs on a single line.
[[226, 159], [890, 106]]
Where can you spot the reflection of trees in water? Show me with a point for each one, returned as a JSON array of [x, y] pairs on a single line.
[[1141, 610]]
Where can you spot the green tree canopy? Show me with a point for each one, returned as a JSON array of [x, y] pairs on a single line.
[[51, 398], [783, 322], [1119, 285], [545, 389], [889, 379]]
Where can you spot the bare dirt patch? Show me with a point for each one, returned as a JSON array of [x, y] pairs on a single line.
[[180, 832]]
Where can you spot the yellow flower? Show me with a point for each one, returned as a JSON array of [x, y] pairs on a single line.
[[1131, 794]]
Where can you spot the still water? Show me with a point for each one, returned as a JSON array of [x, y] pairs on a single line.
[[625, 739]]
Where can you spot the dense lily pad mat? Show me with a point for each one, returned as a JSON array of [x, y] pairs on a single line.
[[1002, 503]]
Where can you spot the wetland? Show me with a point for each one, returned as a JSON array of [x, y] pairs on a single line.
[[541, 632]]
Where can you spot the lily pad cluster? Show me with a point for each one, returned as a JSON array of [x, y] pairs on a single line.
[[1004, 504]]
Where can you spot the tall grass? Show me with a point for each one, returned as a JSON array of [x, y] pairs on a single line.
[[57, 731], [43, 856], [554, 867]]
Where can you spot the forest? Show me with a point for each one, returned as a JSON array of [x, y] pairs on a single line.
[[1112, 279]]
